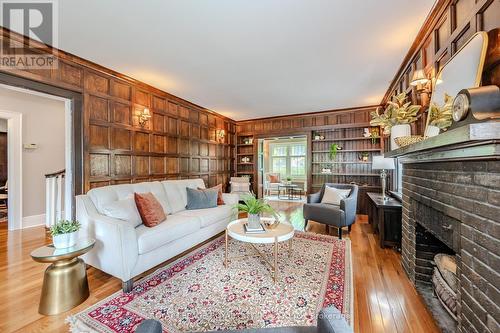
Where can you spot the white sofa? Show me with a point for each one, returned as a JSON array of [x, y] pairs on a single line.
[[125, 247]]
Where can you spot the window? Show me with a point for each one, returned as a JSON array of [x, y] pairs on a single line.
[[288, 159]]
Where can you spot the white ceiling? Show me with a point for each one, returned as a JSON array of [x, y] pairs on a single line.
[[249, 59]]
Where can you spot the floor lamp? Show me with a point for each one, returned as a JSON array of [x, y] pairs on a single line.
[[384, 164]]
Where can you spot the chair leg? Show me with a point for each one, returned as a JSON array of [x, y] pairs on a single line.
[[340, 232]]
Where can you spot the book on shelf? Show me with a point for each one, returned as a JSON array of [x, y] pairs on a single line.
[[250, 230]]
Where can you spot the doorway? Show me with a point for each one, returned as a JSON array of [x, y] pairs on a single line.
[[283, 168], [39, 131]]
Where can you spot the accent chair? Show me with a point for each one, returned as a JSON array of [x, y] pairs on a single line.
[[240, 186], [272, 182], [343, 215]]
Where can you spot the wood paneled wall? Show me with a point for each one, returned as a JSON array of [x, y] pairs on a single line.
[[450, 24], [302, 123], [306, 124], [179, 141]]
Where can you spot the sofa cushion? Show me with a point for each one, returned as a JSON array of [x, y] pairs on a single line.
[[201, 199], [175, 191], [150, 209], [174, 227], [125, 210], [209, 216], [103, 196]]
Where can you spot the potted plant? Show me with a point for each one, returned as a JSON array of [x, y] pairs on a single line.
[[440, 117], [64, 233], [396, 118], [289, 180], [334, 148], [363, 156], [254, 207]]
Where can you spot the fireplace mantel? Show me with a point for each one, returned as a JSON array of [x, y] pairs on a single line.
[[468, 142]]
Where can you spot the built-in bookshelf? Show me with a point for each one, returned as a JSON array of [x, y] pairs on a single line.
[[245, 157], [352, 163]]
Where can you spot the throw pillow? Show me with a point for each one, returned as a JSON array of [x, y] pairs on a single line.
[[125, 210], [200, 199], [220, 200], [274, 179], [150, 209], [333, 195]]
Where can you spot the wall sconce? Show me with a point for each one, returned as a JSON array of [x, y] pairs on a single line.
[[220, 134], [420, 80], [144, 117]]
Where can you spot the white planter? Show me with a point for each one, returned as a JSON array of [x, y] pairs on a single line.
[[432, 131], [65, 240], [399, 131], [253, 221]]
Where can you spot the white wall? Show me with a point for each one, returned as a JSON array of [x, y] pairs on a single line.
[[43, 124], [3, 125]]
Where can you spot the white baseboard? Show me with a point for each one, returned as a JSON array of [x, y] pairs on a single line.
[[33, 221]]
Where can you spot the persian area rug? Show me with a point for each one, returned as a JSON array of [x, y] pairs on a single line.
[[197, 293]]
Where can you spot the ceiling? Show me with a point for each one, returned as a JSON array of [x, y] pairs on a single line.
[[249, 59]]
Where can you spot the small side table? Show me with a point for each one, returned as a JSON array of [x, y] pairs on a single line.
[[65, 282], [385, 217]]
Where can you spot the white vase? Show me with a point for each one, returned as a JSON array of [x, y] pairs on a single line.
[[64, 241], [399, 131], [253, 221], [432, 131]]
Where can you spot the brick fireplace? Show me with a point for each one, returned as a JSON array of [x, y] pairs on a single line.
[[454, 207], [451, 204]]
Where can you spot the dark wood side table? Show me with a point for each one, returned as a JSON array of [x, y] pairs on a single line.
[[385, 217]]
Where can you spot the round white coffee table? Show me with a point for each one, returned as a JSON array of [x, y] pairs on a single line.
[[283, 232]]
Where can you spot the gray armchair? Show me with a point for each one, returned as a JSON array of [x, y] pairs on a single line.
[[332, 215]]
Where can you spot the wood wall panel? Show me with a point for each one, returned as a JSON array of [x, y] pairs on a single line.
[[121, 113], [116, 149], [98, 108], [446, 29], [121, 139]]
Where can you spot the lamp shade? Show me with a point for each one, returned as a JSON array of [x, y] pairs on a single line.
[[418, 78], [379, 163]]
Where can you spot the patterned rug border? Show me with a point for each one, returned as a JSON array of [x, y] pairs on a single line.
[[78, 325]]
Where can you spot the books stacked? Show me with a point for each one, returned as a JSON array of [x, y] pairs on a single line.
[[250, 230]]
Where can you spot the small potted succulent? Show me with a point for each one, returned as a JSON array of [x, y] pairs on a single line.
[[254, 207], [64, 233]]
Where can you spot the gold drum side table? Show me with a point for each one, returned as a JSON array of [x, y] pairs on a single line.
[[65, 282]]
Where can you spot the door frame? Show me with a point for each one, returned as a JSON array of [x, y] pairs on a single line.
[[73, 137], [306, 134], [14, 167]]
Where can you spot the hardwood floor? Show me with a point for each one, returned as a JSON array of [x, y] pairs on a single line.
[[384, 299]]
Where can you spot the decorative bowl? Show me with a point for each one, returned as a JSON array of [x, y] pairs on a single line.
[[404, 141]]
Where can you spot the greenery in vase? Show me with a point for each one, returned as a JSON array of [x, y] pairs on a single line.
[[441, 116], [334, 148], [252, 205], [288, 179], [64, 227], [397, 112]]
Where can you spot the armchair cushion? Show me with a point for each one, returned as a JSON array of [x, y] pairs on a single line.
[[324, 213], [333, 196], [274, 179]]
